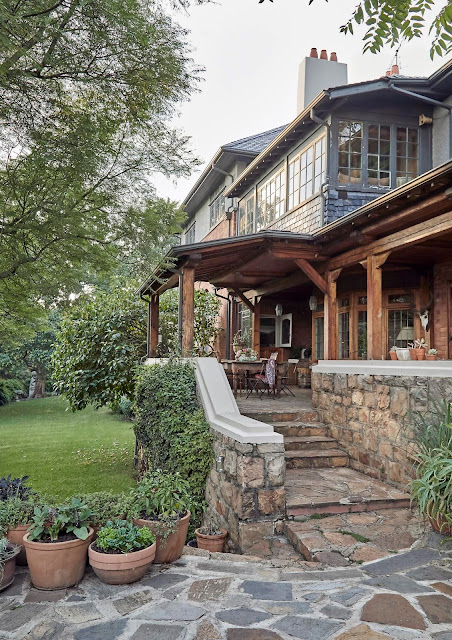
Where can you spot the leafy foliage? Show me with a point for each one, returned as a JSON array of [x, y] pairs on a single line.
[[172, 428], [15, 512], [8, 389], [87, 91], [14, 488], [433, 429], [432, 487], [105, 506], [122, 536], [7, 551], [161, 496], [51, 522]]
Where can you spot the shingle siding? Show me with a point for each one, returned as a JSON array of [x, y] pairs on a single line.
[[305, 219], [336, 206]]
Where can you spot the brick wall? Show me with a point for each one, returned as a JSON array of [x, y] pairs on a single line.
[[248, 497], [442, 282], [370, 417], [222, 229]]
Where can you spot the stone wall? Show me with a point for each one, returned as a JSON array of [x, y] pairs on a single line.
[[370, 417], [248, 497]]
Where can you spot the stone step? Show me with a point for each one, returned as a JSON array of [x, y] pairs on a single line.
[[338, 490], [294, 429], [281, 416], [317, 458], [303, 443]]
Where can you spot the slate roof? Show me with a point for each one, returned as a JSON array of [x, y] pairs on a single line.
[[254, 144]]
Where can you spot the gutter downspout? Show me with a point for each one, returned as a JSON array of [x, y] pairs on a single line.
[[326, 124], [437, 103]]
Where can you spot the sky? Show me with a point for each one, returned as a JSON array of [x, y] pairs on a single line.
[[251, 53]]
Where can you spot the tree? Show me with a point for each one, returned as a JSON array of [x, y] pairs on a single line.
[[391, 21], [87, 90], [102, 340]]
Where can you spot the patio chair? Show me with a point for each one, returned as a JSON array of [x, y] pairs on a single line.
[[258, 379], [287, 370]]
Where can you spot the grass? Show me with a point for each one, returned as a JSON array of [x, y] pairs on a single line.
[[64, 452], [358, 537]]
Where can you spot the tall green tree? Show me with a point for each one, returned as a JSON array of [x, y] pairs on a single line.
[[87, 92]]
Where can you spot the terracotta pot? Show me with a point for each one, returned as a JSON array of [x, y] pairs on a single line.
[[16, 536], [121, 568], [211, 543], [57, 565], [168, 549], [431, 356], [420, 354], [441, 525], [7, 571], [412, 353], [393, 355]]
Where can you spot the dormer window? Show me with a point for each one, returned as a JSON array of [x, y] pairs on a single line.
[[372, 155]]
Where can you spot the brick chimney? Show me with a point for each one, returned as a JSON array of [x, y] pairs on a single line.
[[318, 73]]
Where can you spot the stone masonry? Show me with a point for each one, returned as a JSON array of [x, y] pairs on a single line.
[[370, 416], [248, 497]]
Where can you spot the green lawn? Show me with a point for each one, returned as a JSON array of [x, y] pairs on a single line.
[[64, 452]]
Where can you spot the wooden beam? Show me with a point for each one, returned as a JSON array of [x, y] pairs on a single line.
[[154, 326], [256, 337], [375, 349], [291, 253], [330, 322], [188, 310], [244, 299], [279, 284], [428, 229], [312, 274], [236, 266]]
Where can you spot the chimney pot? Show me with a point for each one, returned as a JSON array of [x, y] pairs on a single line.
[[313, 53], [333, 56], [323, 55], [395, 70]]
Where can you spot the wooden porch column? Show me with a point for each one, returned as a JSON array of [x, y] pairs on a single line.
[[375, 348], [256, 337], [330, 321], [188, 309], [153, 326]]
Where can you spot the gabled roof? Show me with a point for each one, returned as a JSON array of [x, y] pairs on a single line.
[[254, 144]]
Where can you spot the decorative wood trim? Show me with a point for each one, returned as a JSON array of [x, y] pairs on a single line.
[[312, 274]]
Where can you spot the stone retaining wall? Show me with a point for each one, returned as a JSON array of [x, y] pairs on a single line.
[[248, 497], [370, 416]]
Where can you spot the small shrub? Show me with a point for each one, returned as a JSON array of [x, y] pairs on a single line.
[[8, 389], [105, 505], [123, 537], [50, 523], [15, 512], [126, 407], [14, 488]]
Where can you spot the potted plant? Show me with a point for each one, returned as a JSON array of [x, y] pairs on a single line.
[[246, 355], [432, 354], [393, 353], [8, 554], [161, 502], [57, 545], [412, 350], [211, 537], [420, 347], [432, 487], [105, 506], [240, 340], [17, 502], [122, 552]]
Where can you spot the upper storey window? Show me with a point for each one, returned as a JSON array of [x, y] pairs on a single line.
[[217, 210], [377, 155], [246, 216], [190, 234], [271, 200], [307, 173]]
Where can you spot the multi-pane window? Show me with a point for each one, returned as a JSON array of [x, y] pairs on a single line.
[[319, 324], [245, 324], [384, 147], [271, 200], [400, 327], [362, 335], [344, 328], [407, 154], [350, 153], [217, 210], [307, 173], [246, 216], [378, 155], [190, 235]]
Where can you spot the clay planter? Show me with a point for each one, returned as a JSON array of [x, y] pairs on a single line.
[[412, 353], [57, 565], [431, 356], [7, 571], [16, 536], [211, 543], [121, 568], [440, 525], [393, 355], [168, 549], [420, 354]]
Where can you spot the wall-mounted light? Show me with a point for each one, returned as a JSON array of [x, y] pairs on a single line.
[[313, 303], [219, 463], [278, 309]]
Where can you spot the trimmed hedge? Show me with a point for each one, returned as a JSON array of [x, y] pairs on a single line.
[[171, 427]]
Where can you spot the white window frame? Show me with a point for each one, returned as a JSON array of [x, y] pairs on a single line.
[[278, 328], [191, 231], [266, 195], [293, 196]]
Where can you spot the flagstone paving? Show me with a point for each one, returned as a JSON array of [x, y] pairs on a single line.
[[407, 596]]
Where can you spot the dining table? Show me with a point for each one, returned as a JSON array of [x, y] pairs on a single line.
[[243, 369]]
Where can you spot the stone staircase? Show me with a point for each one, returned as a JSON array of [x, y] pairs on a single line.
[[319, 483]]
